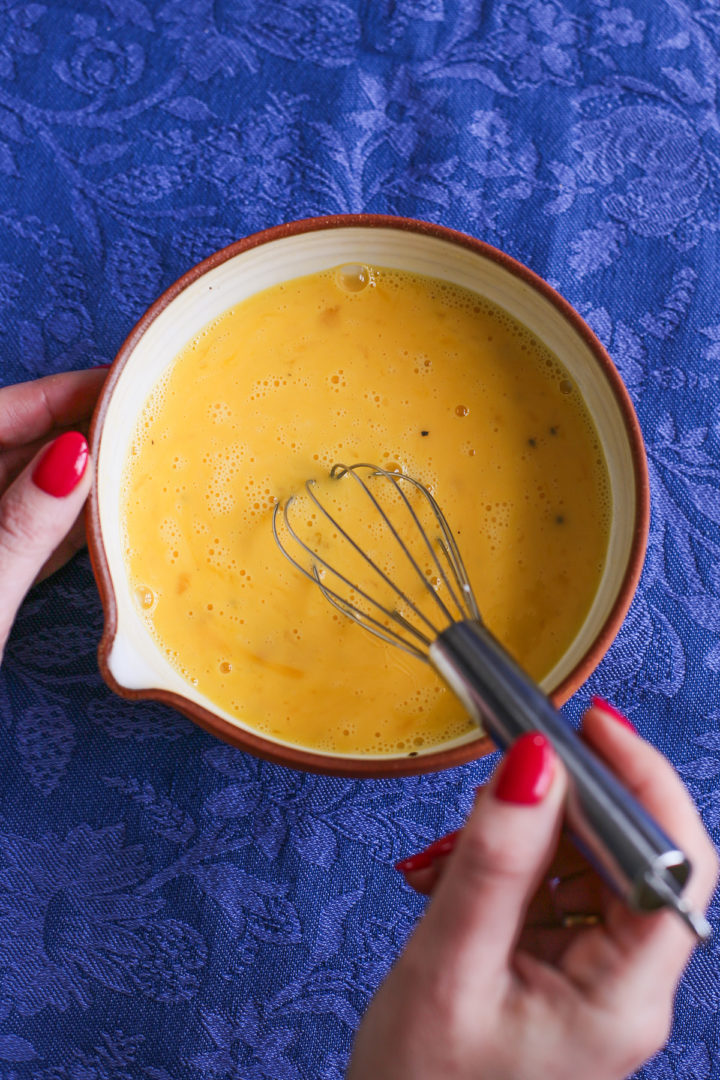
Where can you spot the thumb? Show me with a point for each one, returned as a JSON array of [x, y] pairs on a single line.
[[36, 513], [477, 913]]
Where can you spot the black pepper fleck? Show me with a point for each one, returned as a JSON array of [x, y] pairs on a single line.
[[559, 520], [553, 431], [532, 442], [413, 753], [424, 433]]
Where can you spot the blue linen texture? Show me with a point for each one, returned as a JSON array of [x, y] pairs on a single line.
[[171, 908]]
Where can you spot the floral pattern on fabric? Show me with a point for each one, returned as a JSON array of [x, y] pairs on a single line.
[[169, 907]]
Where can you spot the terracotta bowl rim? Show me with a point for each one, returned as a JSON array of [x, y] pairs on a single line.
[[296, 757]]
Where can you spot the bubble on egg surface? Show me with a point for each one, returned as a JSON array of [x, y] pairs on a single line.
[[354, 277], [145, 597]]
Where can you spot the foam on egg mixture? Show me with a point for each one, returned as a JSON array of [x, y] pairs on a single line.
[[357, 364]]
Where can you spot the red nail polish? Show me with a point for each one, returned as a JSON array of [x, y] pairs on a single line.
[[600, 703], [100, 367], [61, 468], [527, 771], [444, 845], [415, 862], [424, 858]]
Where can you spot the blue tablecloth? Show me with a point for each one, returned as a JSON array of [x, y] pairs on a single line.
[[169, 907]]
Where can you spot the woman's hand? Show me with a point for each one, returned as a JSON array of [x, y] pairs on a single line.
[[42, 488], [499, 982]]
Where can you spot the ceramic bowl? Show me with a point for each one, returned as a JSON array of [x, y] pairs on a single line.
[[130, 660]]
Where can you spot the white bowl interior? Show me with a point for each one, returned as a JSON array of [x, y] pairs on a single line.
[[135, 660]]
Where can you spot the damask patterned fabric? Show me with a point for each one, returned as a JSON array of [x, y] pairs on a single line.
[[171, 908]]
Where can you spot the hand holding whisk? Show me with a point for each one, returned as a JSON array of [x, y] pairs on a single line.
[[414, 593]]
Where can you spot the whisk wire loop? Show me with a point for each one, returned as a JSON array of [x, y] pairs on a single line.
[[447, 544], [395, 478], [384, 621], [340, 602], [380, 630], [337, 473]]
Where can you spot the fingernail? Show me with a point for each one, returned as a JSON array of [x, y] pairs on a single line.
[[424, 858], [444, 845], [600, 703], [415, 862], [61, 468], [527, 771]]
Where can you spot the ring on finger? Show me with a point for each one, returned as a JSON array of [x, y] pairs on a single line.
[[578, 920]]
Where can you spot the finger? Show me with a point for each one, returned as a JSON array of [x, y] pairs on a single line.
[[424, 881], [31, 410], [37, 512], [15, 458], [421, 871], [547, 943], [478, 908], [569, 886], [643, 954], [558, 902], [568, 860], [578, 896], [653, 781], [74, 541]]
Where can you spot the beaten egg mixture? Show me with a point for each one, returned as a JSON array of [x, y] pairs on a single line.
[[357, 364]]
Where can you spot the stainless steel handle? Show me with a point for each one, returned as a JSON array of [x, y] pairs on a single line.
[[620, 838]]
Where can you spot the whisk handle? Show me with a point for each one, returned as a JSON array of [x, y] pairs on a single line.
[[621, 839]]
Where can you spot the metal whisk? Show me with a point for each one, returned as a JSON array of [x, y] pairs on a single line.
[[414, 593]]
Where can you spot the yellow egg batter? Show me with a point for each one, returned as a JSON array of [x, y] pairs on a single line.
[[357, 365]]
